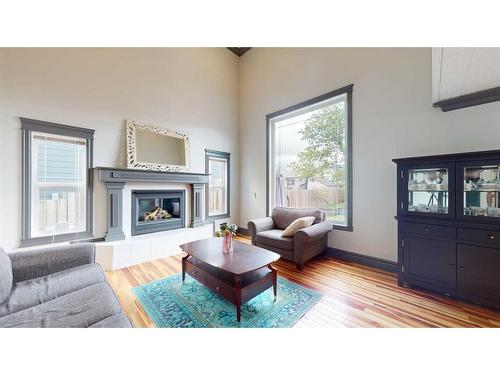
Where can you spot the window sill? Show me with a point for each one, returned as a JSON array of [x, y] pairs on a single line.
[[47, 240], [218, 217], [345, 228]]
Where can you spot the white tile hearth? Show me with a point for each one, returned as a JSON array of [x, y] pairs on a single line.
[[113, 255]]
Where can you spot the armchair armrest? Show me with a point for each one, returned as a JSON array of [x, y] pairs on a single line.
[[314, 232], [30, 264], [259, 225]]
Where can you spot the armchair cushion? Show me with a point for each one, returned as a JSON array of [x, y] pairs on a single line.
[[284, 216], [33, 263], [273, 238], [301, 222], [6, 278]]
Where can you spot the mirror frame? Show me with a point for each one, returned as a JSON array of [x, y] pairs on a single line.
[[133, 163]]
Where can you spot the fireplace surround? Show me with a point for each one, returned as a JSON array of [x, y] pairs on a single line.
[[115, 179], [157, 210], [120, 247]]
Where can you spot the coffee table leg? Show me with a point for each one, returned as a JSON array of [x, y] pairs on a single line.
[[184, 259], [275, 280], [237, 297]]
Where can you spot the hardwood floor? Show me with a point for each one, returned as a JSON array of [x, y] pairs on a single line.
[[353, 296]]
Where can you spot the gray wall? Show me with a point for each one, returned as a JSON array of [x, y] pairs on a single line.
[[193, 90], [392, 117]]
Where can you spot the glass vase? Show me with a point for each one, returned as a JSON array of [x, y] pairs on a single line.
[[227, 242]]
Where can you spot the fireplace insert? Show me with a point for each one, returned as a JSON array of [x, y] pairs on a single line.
[[156, 211]]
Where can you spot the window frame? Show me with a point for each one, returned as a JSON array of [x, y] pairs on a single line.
[[29, 126], [221, 155], [343, 90]]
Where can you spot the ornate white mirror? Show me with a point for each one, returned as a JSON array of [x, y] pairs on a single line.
[[155, 148]]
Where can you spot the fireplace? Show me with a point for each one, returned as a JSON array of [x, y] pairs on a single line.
[[156, 211]]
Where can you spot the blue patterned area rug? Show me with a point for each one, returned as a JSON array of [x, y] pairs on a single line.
[[171, 304]]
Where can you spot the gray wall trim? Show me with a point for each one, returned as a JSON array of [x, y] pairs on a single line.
[[227, 156], [343, 90], [197, 205], [54, 128], [25, 186], [126, 175], [381, 264], [27, 127], [114, 200]]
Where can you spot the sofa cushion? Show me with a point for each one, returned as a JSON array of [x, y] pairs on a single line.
[[5, 275], [283, 216], [273, 238], [82, 308], [30, 293], [115, 321], [301, 222]]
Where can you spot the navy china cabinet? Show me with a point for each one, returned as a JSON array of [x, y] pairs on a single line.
[[449, 225]]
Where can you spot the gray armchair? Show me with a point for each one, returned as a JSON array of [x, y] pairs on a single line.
[[58, 286], [304, 245]]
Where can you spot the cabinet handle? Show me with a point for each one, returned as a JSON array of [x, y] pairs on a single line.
[[491, 236], [452, 265], [217, 288], [461, 268], [427, 230], [195, 272]]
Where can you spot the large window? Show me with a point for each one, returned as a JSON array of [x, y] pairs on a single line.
[[56, 182], [217, 166], [309, 156]]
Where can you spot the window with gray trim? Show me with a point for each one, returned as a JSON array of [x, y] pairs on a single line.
[[217, 165], [309, 156], [56, 182]]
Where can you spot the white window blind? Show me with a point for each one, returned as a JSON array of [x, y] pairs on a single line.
[[58, 184]]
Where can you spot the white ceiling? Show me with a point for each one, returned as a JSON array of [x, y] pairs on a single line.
[[461, 71]]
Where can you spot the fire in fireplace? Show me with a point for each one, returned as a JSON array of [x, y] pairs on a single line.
[[155, 211]]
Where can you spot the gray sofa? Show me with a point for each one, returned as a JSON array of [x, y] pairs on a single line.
[[304, 245], [59, 286]]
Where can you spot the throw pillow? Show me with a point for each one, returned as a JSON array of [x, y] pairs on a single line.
[[5, 275], [301, 222]]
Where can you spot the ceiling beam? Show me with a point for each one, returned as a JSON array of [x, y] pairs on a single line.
[[469, 100], [239, 51]]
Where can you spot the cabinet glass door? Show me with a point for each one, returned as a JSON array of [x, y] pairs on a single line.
[[428, 191], [481, 191]]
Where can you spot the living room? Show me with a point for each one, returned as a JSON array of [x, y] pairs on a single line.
[[181, 185]]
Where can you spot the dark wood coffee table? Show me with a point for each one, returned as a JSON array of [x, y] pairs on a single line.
[[238, 276]]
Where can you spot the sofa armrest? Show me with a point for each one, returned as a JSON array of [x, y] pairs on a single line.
[[30, 264], [259, 225], [314, 232]]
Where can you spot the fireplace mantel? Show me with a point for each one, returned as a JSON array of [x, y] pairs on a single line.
[[126, 175], [115, 179]]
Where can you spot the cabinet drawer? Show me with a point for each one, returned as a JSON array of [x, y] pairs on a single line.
[[219, 287], [196, 273], [479, 235], [429, 230]]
